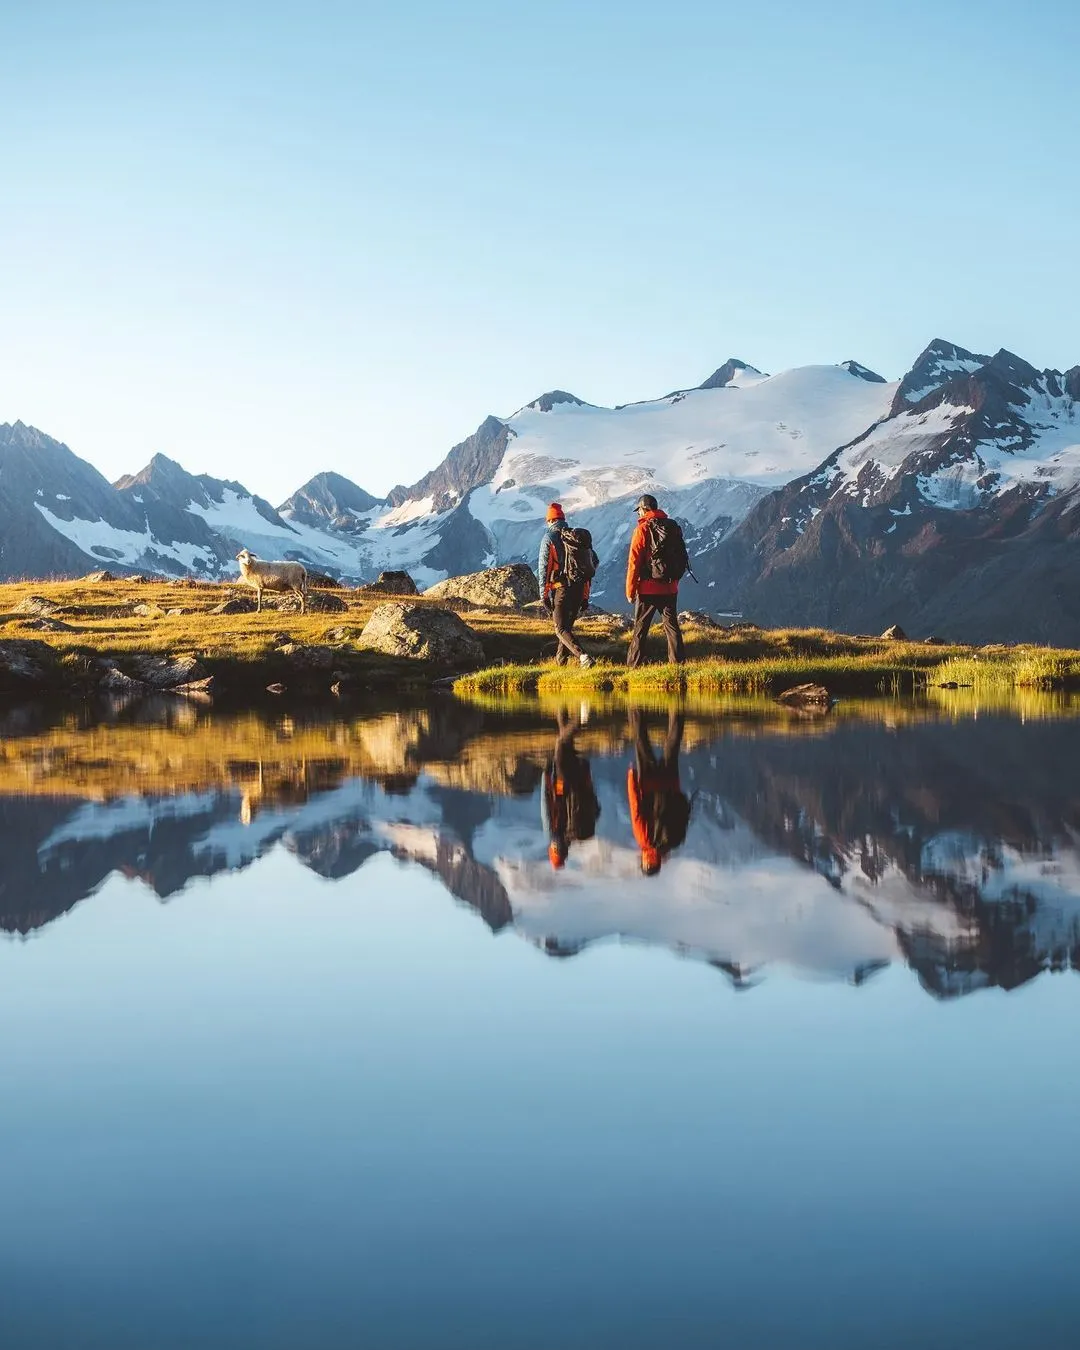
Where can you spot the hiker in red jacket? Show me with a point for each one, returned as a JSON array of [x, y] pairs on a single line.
[[659, 809], [657, 561]]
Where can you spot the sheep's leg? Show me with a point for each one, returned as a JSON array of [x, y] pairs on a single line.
[[302, 593], [258, 599]]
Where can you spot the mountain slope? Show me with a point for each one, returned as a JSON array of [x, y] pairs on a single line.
[[953, 513], [711, 452]]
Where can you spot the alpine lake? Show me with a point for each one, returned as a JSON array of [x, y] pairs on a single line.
[[540, 1023]]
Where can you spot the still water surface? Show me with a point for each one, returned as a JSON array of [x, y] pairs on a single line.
[[447, 1027]]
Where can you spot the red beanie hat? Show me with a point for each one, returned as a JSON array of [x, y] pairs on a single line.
[[555, 512]]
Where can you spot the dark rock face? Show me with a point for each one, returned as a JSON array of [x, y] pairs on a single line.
[[470, 463], [39, 478], [329, 501], [722, 377], [862, 372], [550, 400], [913, 518], [422, 633]]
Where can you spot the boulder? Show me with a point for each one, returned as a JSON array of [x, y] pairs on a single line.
[[318, 602], [305, 657], [149, 611], [806, 696], [895, 633], [167, 672], [237, 604], [393, 583], [26, 662], [44, 625], [423, 633], [100, 575], [511, 586], [37, 605], [696, 618]]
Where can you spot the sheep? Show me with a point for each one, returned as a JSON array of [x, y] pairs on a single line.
[[272, 576]]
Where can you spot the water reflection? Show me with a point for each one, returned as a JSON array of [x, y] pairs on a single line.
[[739, 836]]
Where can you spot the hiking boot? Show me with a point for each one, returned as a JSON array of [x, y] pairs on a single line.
[[585, 660]]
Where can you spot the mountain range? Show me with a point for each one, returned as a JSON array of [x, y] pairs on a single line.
[[943, 501]]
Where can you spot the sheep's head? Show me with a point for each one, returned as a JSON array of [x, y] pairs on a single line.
[[245, 556]]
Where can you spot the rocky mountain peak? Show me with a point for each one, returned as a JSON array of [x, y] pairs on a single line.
[[552, 399], [938, 364], [329, 499], [723, 375], [862, 372]]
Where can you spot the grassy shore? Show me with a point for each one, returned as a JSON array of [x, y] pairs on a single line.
[[96, 620]]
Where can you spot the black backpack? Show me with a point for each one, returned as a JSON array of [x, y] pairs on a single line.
[[579, 560], [668, 558], [670, 819]]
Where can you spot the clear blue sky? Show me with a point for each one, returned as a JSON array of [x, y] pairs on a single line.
[[268, 239]]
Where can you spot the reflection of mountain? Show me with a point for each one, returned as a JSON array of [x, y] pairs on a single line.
[[952, 845]]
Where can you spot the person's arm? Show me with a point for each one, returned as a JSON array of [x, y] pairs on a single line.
[[633, 796], [633, 562], [542, 563]]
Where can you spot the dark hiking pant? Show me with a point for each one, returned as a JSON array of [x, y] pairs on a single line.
[[567, 602], [649, 766], [646, 608]]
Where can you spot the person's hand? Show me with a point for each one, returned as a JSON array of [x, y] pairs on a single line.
[[549, 602]]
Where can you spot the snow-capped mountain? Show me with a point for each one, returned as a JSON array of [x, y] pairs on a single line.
[[823, 494], [953, 513]]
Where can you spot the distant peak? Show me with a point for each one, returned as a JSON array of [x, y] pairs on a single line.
[[862, 372], [938, 364], [722, 377], [547, 401]]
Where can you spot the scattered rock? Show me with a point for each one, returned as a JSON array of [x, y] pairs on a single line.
[[238, 604], [199, 690], [37, 604], [341, 634], [44, 625], [934, 642], [696, 618], [114, 678], [318, 602], [100, 575], [322, 582], [149, 611], [895, 633], [511, 586], [167, 672], [171, 612], [805, 696], [275, 688], [422, 633], [26, 662], [393, 583], [306, 657]]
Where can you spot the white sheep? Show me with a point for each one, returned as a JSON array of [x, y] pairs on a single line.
[[272, 576]]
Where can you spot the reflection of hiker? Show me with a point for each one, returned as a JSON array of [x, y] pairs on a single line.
[[569, 806], [657, 563], [565, 569], [659, 809]]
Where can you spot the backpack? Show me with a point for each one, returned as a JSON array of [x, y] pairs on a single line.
[[579, 560], [668, 558], [670, 819]]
